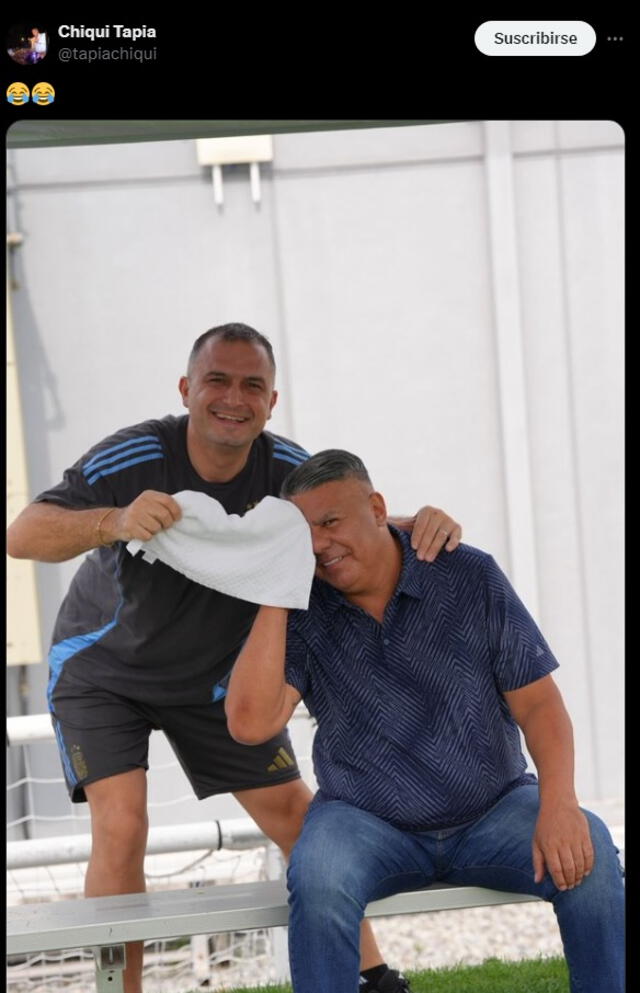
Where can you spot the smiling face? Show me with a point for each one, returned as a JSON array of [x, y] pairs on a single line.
[[229, 394], [43, 93], [18, 94], [351, 541]]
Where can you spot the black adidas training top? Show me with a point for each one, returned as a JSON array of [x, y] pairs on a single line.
[[144, 630]]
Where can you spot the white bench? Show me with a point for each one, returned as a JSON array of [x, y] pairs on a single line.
[[106, 923]]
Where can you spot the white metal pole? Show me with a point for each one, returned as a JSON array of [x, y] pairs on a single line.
[[216, 175], [237, 834], [279, 935], [28, 728], [254, 177]]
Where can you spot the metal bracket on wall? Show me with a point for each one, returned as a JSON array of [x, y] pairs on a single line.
[[218, 152]]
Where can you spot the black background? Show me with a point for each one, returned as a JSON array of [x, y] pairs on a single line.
[[317, 63]]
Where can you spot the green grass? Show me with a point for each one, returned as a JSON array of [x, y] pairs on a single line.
[[493, 976]]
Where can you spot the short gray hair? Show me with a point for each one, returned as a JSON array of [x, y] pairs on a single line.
[[324, 467]]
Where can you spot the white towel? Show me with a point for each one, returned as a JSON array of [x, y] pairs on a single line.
[[263, 557]]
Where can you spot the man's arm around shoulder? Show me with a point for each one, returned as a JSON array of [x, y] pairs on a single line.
[[259, 702]]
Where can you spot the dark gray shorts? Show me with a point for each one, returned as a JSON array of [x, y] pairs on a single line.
[[100, 734]]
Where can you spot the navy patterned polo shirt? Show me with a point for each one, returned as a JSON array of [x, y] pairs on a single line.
[[412, 723]]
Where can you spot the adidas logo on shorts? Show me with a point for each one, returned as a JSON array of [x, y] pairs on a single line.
[[282, 760]]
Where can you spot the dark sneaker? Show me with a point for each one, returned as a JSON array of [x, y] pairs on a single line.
[[391, 982]]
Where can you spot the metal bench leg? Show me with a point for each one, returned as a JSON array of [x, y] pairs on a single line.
[[110, 963]]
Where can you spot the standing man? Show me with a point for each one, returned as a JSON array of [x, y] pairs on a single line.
[[137, 647], [37, 44], [418, 677]]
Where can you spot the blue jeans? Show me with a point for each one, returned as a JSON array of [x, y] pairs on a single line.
[[346, 857]]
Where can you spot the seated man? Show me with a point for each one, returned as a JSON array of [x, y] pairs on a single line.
[[418, 676]]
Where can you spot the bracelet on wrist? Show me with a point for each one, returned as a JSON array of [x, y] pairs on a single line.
[[101, 540]]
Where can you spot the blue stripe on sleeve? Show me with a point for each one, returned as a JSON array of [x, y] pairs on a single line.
[[124, 465], [123, 444], [134, 450], [291, 449], [287, 458]]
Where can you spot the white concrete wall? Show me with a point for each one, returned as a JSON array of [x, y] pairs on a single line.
[[446, 301]]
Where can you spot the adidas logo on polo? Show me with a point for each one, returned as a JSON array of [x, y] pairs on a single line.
[[282, 760]]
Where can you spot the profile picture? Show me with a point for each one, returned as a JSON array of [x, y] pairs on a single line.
[[27, 45]]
